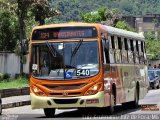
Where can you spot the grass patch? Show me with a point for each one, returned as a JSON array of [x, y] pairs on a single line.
[[16, 83]]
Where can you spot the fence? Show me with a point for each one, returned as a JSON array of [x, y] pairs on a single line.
[[10, 63]]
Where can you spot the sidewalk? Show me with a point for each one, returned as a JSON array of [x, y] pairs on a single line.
[[15, 101]]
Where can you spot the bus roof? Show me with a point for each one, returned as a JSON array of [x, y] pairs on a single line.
[[121, 32], [104, 28], [68, 24]]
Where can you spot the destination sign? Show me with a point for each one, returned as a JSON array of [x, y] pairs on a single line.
[[64, 33]]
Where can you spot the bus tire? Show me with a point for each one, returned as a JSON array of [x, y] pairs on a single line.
[[49, 112], [112, 103], [136, 99]]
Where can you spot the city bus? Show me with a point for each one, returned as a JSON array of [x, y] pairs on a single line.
[[86, 65]]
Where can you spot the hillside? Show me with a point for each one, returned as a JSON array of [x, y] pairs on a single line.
[[71, 9]]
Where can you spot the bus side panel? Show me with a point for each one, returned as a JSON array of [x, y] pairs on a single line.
[[113, 75], [128, 82]]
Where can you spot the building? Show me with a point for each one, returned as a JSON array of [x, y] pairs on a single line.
[[145, 23]]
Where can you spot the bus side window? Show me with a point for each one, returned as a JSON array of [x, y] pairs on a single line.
[[106, 50], [124, 51], [112, 49], [112, 42], [131, 44], [118, 45], [135, 44], [144, 52], [130, 51], [105, 44], [141, 56]]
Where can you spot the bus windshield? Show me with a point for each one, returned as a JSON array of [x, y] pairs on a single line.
[[65, 60]]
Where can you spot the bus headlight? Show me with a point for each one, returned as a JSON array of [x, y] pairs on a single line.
[[94, 89], [37, 91]]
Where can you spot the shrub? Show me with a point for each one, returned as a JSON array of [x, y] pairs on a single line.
[[6, 76], [17, 76], [25, 75]]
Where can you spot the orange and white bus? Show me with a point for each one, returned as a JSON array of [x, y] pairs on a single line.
[[80, 65]]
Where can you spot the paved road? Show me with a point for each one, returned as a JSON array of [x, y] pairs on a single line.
[[152, 100]]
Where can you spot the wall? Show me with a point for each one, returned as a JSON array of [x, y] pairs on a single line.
[[155, 62], [10, 63]]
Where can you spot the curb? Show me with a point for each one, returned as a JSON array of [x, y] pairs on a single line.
[[14, 92], [16, 104]]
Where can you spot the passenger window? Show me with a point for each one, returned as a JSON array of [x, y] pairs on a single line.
[[112, 49], [116, 42], [119, 43], [112, 56], [136, 55], [112, 42], [118, 56], [106, 50], [130, 51], [142, 48], [131, 45], [125, 44], [137, 47]]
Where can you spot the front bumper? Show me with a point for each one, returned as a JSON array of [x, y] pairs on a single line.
[[67, 102]]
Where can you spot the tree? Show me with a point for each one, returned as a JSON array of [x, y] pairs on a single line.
[[41, 9], [152, 45], [108, 17], [7, 28]]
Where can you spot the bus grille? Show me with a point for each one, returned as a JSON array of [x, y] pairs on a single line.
[[68, 94], [65, 101], [65, 87]]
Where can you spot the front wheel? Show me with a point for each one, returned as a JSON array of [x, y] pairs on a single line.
[[111, 108], [49, 112]]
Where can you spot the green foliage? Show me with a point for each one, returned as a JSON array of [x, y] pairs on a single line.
[[123, 25], [94, 17], [1, 76], [6, 76], [152, 45], [109, 17], [9, 31], [17, 83], [71, 9]]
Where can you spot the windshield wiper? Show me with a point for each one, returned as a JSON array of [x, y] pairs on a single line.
[[76, 49], [53, 52]]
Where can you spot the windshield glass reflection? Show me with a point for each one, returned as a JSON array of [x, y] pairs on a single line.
[[68, 60]]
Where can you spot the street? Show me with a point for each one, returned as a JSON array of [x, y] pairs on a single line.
[[149, 108]]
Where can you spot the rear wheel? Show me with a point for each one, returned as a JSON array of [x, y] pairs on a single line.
[[49, 112], [136, 100]]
